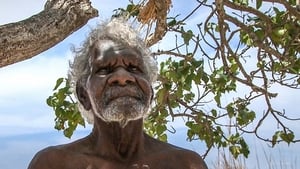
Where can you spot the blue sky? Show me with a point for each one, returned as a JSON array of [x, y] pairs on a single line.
[[26, 122]]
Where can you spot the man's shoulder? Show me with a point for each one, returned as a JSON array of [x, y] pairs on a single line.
[[57, 156], [49, 152], [46, 157], [187, 158], [193, 159], [178, 156], [182, 158]]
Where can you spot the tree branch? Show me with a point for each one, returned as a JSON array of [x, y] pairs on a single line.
[[60, 18]]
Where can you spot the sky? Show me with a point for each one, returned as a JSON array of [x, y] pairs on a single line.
[[26, 122]]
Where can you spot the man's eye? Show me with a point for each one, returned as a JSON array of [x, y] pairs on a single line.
[[103, 71], [133, 69]]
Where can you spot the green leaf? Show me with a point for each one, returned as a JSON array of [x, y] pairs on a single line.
[[277, 11], [190, 134], [218, 99], [214, 112], [287, 137], [68, 132], [163, 138], [187, 36], [58, 83], [161, 95], [160, 129], [245, 38], [244, 2], [258, 4], [260, 34], [189, 124], [238, 145], [244, 147], [61, 95], [235, 151], [172, 23], [230, 110], [132, 9], [189, 97], [274, 139], [205, 77], [49, 101], [198, 63]]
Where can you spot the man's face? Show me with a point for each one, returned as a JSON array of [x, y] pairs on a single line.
[[118, 86]]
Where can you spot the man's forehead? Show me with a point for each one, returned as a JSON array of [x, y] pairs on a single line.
[[105, 48]]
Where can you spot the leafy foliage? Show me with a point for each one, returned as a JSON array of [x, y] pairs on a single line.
[[67, 115], [241, 50]]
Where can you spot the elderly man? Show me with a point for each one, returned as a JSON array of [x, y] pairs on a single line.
[[112, 75]]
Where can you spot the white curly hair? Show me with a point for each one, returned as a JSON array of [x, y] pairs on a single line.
[[120, 31]]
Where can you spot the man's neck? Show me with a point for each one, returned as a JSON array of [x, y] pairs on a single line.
[[112, 140]]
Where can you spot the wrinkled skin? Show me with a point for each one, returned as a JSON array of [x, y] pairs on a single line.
[[119, 93]]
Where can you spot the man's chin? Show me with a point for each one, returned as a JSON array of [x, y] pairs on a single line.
[[121, 118], [124, 111]]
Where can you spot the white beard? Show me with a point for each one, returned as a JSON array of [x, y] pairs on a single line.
[[122, 110]]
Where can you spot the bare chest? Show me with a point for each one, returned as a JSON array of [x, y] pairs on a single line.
[[91, 162]]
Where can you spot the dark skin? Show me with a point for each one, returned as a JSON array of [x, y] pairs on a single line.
[[111, 145]]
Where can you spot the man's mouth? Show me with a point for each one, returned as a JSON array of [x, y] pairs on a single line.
[[123, 97], [125, 94]]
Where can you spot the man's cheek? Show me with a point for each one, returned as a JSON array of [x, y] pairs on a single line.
[[97, 89], [144, 85]]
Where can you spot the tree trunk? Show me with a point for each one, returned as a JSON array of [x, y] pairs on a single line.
[[27, 38]]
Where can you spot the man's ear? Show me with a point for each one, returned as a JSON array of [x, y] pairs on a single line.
[[82, 96]]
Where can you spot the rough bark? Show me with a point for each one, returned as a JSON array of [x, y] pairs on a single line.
[[27, 38]]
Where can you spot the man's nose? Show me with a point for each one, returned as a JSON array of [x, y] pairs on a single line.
[[121, 77]]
